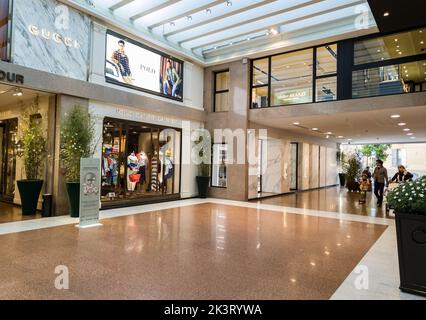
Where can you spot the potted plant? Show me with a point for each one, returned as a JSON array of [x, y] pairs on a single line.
[[76, 143], [409, 203], [353, 170], [203, 178], [341, 164], [33, 149]]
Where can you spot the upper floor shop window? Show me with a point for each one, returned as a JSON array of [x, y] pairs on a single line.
[[303, 76], [219, 165], [221, 91], [291, 78], [404, 44]]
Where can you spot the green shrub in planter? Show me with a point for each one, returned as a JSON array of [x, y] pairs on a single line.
[[76, 143], [34, 153], [409, 202]]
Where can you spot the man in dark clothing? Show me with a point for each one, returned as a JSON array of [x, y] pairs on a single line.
[[381, 180]]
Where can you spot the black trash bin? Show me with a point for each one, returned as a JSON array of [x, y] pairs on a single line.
[[47, 205]]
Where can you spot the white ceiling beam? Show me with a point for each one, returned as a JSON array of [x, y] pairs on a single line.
[[220, 17], [153, 9], [120, 4], [258, 18], [186, 13], [268, 25]]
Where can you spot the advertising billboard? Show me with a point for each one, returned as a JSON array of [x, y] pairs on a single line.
[[137, 66], [4, 19]]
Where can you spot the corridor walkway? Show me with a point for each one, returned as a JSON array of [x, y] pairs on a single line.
[[334, 199]]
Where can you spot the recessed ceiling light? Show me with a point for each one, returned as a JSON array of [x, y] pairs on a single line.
[[274, 31], [231, 43], [248, 39], [172, 24], [208, 11], [422, 42], [18, 93], [383, 58], [401, 124], [400, 52], [329, 132], [229, 3], [315, 129], [410, 134], [296, 123], [395, 116], [189, 18], [378, 50], [340, 137], [267, 33], [406, 129], [386, 14], [413, 138], [396, 40]]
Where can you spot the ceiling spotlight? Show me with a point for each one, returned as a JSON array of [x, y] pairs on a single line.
[[189, 18], [18, 93], [410, 134], [229, 3], [386, 14], [329, 133], [267, 33], [400, 52], [406, 130], [340, 137], [395, 116], [248, 39], [274, 31], [401, 124], [422, 42], [315, 129], [396, 40], [172, 24], [296, 123], [208, 11], [378, 50], [413, 138]]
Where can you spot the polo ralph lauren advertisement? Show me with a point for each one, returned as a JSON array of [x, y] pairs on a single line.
[[134, 65]]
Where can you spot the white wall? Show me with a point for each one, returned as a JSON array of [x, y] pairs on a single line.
[[193, 74]]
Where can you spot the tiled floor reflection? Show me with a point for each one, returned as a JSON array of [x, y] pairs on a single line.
[[333, 199], [10, 213], [205, 251]]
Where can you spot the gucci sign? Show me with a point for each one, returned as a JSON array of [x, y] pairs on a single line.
[[53, 36]]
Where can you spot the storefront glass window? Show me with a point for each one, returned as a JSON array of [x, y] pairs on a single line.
[[219, 168], [260, 97], [393, 79], [4, 17], [139, 161], [327, 60], [291, 78], [8, 140], [221, 92], [398, 45], [326, 89]]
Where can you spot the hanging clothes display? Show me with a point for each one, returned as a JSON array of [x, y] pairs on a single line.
[[155, 172]]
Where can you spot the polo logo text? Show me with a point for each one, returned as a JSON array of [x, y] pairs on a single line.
[[11, 77]]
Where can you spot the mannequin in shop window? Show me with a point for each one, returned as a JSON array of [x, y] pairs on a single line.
[[109, 168], [143, 162], [133, 175], [155, 171], [168, 169]]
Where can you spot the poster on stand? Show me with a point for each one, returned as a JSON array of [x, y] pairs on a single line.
[[90, 169], [134, 65]]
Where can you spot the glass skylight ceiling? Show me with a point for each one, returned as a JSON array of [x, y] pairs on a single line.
[[215, 30]]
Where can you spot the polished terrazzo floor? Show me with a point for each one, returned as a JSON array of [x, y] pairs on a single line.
[[10, 212], [334, 199], [203, 251]]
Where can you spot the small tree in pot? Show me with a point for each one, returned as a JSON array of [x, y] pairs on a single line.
[[76, 143], [409, 202], [353, 170], [34, 153]]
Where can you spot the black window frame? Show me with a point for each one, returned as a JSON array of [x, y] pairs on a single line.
[[215, 91]]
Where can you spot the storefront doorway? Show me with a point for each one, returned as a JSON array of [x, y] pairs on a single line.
[[140, 163], [8, 138]]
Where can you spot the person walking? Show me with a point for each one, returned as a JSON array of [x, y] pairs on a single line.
[[381, 180]]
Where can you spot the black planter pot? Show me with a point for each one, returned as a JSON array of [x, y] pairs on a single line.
[[411, 238], [203, 186], [342, 179], [73, 190], [29, 191]]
